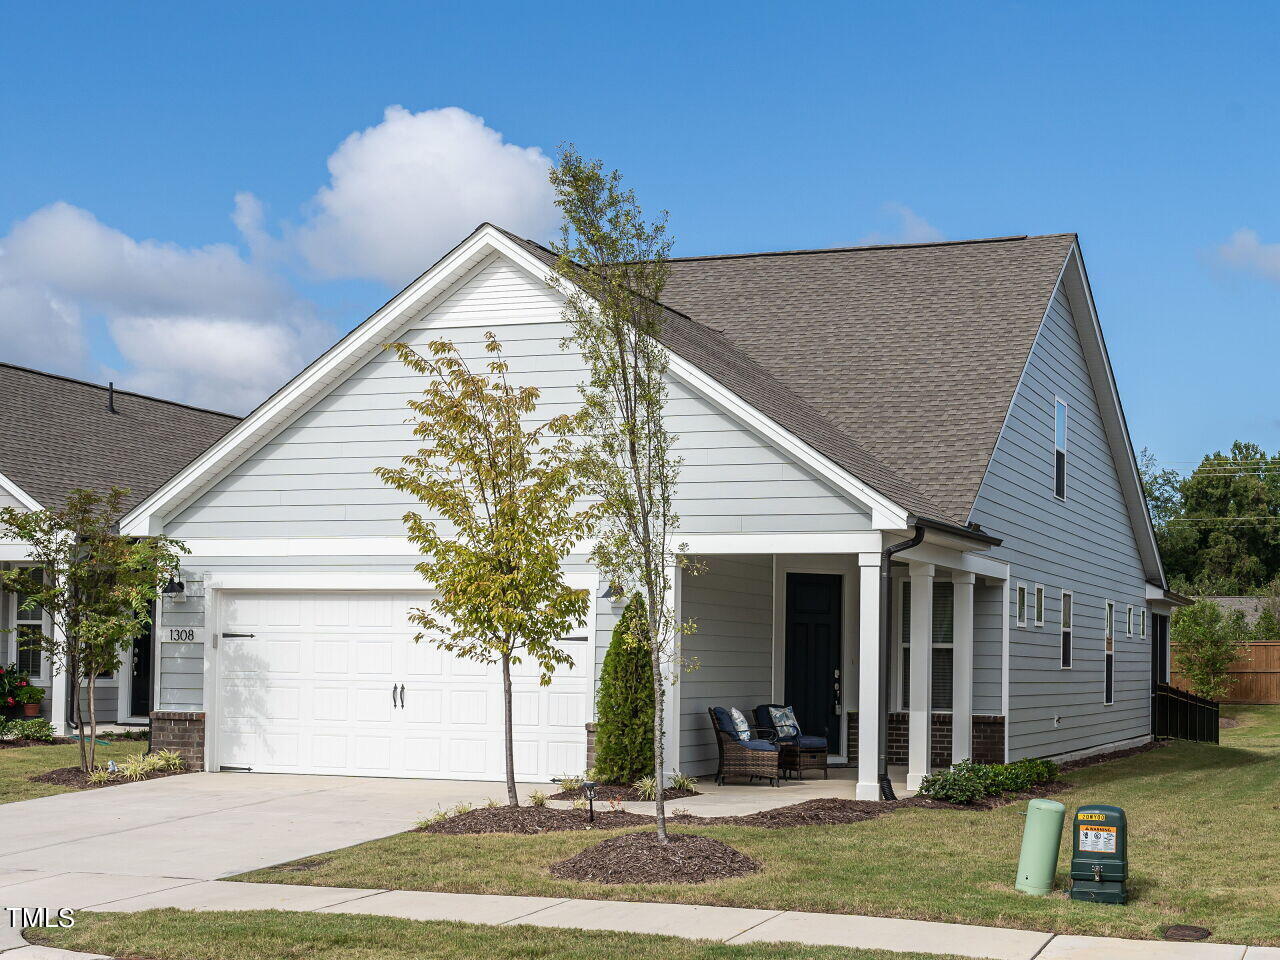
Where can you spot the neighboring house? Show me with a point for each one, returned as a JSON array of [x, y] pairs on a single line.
[[58, 434], [827, 404]]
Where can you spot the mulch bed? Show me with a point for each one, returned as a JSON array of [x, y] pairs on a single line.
[[78, 779], [8, 744], [642, 858], [608, 792], [1114, 755], [533, 820]]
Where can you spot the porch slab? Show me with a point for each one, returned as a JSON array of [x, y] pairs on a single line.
[[886, 933], [1111, 948]]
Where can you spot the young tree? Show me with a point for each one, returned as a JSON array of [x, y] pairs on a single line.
[[624, 701], [612, 267], [1206, 643], [509, 492], [95, 586]]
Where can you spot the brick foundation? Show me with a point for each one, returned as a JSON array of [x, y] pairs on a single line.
[[181, 732], [988, 738], [591, 745]]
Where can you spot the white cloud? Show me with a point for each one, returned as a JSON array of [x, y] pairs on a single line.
[[401, 193], [1244, 250], [908, 227], [38, 330], [197, 324]]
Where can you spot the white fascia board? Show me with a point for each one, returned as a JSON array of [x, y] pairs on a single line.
[[15, 491], [149, 516], [348, 582], [1074, 281], [942, 556]]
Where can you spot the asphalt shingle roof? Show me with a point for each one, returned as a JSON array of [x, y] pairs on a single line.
[[914, 351], [721, 358], [57, 435]]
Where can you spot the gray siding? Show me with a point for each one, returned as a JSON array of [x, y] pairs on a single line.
[[8, 500], [1085, 544], [181, 663], [731, 604]]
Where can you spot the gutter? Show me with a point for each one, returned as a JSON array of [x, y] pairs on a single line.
[[970, 531], [886, 647]]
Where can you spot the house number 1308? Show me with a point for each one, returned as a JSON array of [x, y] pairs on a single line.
[[182, 636]]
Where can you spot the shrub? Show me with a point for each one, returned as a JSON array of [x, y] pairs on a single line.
[[682, 781], [100, 777], [624, 701], [967, 782], [1206, 643], [31, 728], [570, 783], [29, 693], [537, 799], [646, 788], [168, 760]]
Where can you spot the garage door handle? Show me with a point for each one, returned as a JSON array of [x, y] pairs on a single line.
[[402, 696], [237, 636], [393, 696]]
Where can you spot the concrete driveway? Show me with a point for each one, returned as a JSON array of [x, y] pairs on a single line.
[[206, 826]]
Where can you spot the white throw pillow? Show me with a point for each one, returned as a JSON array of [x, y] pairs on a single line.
[[740, 724]]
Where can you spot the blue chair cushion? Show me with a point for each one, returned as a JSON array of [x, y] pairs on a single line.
[[763, 745], [723, 721]]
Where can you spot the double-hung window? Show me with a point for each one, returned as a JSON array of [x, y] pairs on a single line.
[[1109, 656], [29, 628], [943, 645], [1059, 449], [1066, 629]]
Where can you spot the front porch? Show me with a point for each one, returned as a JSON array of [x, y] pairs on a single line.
[[803, 629]]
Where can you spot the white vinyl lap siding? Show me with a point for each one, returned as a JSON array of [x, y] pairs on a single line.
[[315, 478], [1084, 544]]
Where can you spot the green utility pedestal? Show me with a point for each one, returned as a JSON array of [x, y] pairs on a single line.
[[1099, 854], [1041, 837]]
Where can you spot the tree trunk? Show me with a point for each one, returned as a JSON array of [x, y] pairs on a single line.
[[512, 798], [73, 680], [93, 724], [659, 724]]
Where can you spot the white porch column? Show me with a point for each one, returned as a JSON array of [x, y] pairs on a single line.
[[921, 709], [671, 700], [869, 672], [962, 667], [57, 693]]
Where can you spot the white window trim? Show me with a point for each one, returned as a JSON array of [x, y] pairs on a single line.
[[903, 648], [45, 678], [1128, 621], [1020, 604], [1109, 653], [1067, 633], [1142, 623], [1066, 417], [1038, 610]]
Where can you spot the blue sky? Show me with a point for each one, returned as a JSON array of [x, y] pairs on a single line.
[[130, 130]]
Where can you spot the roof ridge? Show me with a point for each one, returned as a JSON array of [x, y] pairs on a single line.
[[116, 390], [1012, 238]]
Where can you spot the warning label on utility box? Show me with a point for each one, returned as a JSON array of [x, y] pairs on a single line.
[[1097, 839]]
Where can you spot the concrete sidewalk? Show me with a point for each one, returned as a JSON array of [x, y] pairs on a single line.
[[126, 893]]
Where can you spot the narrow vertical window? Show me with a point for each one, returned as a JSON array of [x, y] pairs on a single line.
[[1022, 604], [1128, 621], [29, 625], [1039, 605], [1109, 656], [1059, 449], [1066, 630], [1142, 624]]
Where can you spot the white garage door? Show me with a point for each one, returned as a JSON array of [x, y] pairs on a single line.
[[333, 683]]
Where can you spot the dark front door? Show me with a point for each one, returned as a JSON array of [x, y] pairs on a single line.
[[140, 682], [813, 653]]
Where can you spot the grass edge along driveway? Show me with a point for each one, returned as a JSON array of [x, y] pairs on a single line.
[[1204, 849], [281, 935]]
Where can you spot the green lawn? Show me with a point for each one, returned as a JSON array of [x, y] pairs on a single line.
[[276, 935], [1204, 847], [19, 763]]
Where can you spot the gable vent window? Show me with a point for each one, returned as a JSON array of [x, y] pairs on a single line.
[[1059, 449]]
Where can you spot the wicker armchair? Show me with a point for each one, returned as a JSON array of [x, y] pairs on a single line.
[[798, 752], [761, 759]]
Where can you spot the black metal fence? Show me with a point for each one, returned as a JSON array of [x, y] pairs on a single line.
[[1181, 715]]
